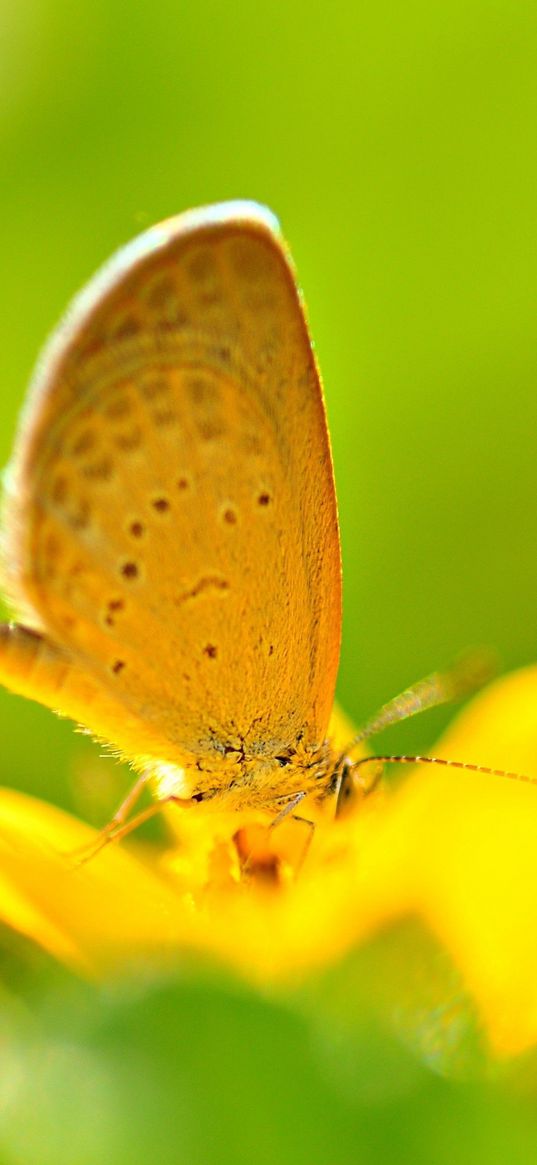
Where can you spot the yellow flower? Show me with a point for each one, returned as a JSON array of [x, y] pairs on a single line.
[[456, 850]]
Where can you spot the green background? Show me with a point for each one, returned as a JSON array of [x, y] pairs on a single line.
[[397, 144]]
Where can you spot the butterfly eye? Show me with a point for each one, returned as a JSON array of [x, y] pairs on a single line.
[[283, 760], [197, 797]]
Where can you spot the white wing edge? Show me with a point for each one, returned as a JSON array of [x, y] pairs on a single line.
[[127, 258]]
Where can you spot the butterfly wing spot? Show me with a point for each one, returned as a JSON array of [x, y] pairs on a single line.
[[175, 318], [113, 608], [74, 511], [210, 430], [99, 470], [118, 409], [210, 298], [137, 529], [204, 276], [160, 293], [85, 443], [76, 569], [207, 405], [130, 570], [229, 516], [129, 440], [127, 327], [263, 499], [208, 583], [81, 518], [60, 489], [118, 666], [161, 505], [90, 347], [202, 266], [223, 353], [165, 418], [183, 484], [152, 389], [52, 550], [202, 391], [210, 650]]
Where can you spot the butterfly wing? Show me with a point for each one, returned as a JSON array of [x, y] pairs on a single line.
[[171, 523]]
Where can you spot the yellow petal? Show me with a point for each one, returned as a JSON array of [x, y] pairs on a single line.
[[460, 850], [89, 916], [456, 849]]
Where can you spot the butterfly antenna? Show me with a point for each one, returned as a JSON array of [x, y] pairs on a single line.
[[451, 764], [473, 669]]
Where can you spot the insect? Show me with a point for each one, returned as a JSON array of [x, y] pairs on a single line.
[[170, 532], [171, 541]]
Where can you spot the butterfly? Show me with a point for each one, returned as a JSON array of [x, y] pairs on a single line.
[[171, 543]]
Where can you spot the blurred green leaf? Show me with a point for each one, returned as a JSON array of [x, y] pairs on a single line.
[[192, 1071]]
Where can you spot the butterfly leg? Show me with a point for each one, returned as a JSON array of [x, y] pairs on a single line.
[[257, 859], [288, 810], [118, 825]]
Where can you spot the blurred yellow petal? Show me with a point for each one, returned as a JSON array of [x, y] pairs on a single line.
[[90, 916], [457, 850], [467, 856]]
